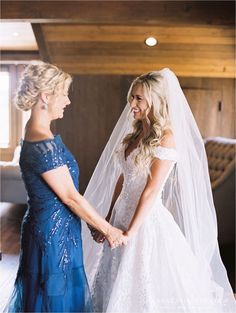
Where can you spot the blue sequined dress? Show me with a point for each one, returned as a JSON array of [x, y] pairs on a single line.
[[51, 276]]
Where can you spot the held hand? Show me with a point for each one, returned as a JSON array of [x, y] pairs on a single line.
[[116, 238], [97, 236]]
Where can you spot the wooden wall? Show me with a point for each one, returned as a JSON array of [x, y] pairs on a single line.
[[96, 104], [98, 100], [212, 101]]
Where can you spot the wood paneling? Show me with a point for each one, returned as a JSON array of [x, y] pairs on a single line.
[[204, 96], [93, 66], [121, 12], [97, 102], [204, 104], [70, 49], [196, 38], [116, 49], [202, 51], [221, 35]]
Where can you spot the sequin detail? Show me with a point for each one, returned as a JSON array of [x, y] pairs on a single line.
[[51, 261]]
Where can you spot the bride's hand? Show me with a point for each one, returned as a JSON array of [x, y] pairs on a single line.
[[116, 237], [98, 237]]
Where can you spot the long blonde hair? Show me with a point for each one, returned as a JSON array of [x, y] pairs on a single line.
[[159, 121]]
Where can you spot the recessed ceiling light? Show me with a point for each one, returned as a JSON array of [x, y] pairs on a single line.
[[15, 34], [150, 41]]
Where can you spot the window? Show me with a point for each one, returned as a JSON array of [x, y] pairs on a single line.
[[12, 120], [4, 109]]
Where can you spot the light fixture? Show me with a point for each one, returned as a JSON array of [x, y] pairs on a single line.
[[150, 41]]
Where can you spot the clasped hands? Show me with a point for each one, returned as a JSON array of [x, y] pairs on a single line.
[[114, 236]]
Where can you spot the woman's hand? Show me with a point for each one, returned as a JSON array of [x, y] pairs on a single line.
[[116, 237], [98, 236]]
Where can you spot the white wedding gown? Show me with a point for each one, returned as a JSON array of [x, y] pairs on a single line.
[[157, 271]]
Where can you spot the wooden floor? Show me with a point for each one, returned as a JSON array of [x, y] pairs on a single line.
[[11, 216]]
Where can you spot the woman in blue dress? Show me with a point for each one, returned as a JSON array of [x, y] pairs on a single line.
[[51, 276]]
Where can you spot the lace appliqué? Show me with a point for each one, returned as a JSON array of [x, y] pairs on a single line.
[[112, 260], [164, 153]]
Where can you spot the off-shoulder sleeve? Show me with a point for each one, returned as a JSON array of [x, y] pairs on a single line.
[[164, 153], [46, 155]]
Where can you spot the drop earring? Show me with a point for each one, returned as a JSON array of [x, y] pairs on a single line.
[[44, 106]]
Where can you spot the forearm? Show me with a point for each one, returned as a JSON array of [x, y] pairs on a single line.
[[143, 209], [82, 208]]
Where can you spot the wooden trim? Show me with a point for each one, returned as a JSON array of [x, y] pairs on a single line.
[[39, 36], [8, 57]]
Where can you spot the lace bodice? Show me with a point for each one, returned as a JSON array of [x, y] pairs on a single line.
[[136, 179]]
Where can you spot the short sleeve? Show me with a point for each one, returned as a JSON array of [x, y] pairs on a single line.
[[164, 153], [46, 155]]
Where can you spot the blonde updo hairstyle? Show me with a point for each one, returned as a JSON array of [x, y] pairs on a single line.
[[158, 119], [39, 77]]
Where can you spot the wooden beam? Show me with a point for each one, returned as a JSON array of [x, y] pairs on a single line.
[[42, 45], [8, 57], [121, 12]]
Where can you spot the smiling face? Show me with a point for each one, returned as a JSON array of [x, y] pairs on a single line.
[[58, 101], [138, 102]]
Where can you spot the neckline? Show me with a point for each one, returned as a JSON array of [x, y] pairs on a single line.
[[39, 141], [126, 157]]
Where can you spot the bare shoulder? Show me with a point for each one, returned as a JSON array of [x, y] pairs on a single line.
[[167, 140]]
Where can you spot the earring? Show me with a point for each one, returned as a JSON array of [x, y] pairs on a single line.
[[44, 106]]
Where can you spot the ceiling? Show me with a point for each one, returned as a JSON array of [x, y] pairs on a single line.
[[17, 36], [195, 38]]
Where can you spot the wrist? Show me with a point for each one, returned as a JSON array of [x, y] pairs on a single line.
[[129, 233], [107, 229]]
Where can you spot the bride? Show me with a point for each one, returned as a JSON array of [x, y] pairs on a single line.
[[153, 175]]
